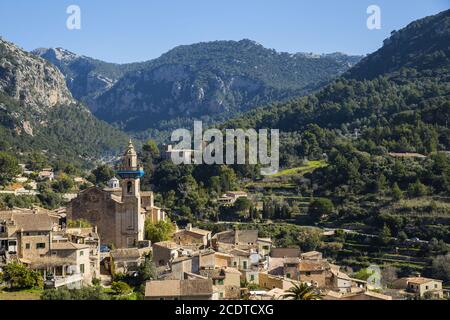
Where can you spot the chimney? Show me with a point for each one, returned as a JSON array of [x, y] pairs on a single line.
[[189, 227]]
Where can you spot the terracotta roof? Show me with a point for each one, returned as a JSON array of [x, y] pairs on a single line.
[[239, 252], [194, 232], [231, 270], [68, 246], [30, 221], [199, 231], [167, 244], [237, 236], [291, 260], [179, 288], [420, 280], [310, 253], [213, 273], [305, 265], [82, 232], [131, 253], [340, 275]]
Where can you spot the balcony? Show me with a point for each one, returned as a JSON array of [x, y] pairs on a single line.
[[71, 281], [130, 172]]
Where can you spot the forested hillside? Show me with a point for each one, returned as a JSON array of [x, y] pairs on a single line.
[[212, 81], [384, 129], [38, 113]]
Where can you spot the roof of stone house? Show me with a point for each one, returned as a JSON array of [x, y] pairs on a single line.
[[206, 252], [247, 236], [420, 280], [231, 270], [199, 231], [340, 275], [46, 173], [275, 293], [223, 254], [68, 246], [237, 236], [305, 265], [196, 287], [122, 254], [275, 263], [82, 232], [46, 262], [310, 254], [372, 294], [194, 232], [240, 252], [284, 252], [333, 294], [276, 271], [291, 260], [184, 258], [179, 288], [30, 221], [163, 288], [219, 273], [378, 295], [269, 240], [167, 244], [213, 273]]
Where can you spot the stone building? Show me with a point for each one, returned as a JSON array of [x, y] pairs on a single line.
[[119, 211], [26, 233]]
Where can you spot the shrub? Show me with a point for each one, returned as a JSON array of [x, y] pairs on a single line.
[[120, 288], [19, 277]]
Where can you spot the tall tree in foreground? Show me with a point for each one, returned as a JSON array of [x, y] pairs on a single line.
[[9, 168], [302, 292]]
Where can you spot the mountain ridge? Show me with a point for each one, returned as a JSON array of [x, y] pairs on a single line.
[[209, 79]]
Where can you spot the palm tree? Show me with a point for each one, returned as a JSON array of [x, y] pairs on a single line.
[[302, 292]]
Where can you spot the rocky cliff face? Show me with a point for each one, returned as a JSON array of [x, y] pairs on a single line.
[[38, 112], [86, 78], [30, 80]]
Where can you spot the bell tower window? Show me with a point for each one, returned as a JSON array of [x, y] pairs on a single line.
[[129, 162], [129, 187]]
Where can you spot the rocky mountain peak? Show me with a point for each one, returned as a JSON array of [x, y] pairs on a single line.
[[31, 80]]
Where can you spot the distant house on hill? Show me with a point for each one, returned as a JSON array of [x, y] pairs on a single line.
[[47, 174], [420, 287], [192, 236]]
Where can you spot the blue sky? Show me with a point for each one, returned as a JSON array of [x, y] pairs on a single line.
[[136, 30]]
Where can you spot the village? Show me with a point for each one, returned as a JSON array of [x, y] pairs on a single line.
[[110, 250]]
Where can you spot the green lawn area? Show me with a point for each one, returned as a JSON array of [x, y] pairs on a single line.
[[307, 168], [31, 294]]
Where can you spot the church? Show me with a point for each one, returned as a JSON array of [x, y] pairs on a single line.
[[119, 211]]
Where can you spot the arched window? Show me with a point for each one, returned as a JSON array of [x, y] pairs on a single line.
[[129, 162], [129, 187]]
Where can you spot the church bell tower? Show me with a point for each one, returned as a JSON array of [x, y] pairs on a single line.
[[132, 218]]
